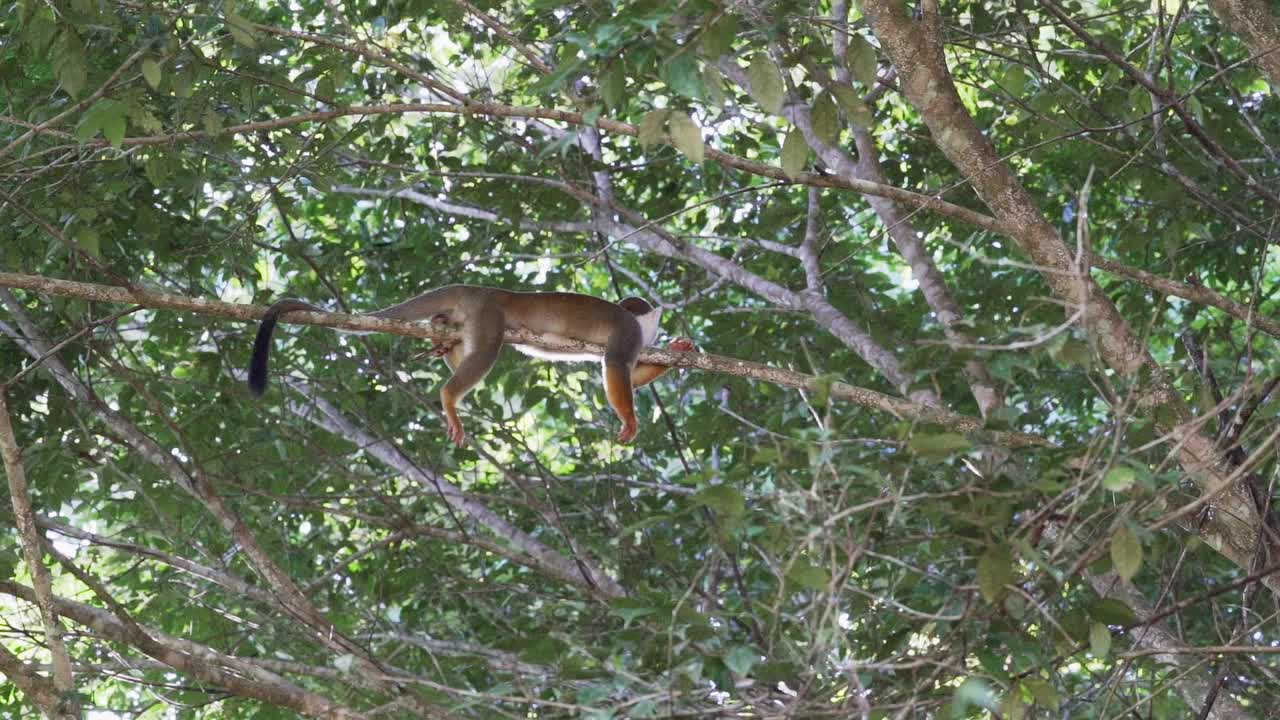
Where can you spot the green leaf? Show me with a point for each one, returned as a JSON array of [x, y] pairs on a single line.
[[157, 170], [650, 129], [1139, 103], [182, 83], [630, 609], [937, 445], [241, 29], [717, 39], [723, 499], [88, 239], [795, 153], [1099, 640], [860, 58], [825, 120], [740, 659], [1042, 691], [151, 72], [1126, 552], [973, 692], [212, 122], [1015, 80], [1013, 707], [681, 74], [992, 663], [686, 136], [39, 32], [543, 650], [1119, 478], [613, 85], [105, 113], [995, 571], [68, 63], [809, 576], [766, 83], [857, 111], [1072, 352], [1111, 611], [712, 85], [113, 127]]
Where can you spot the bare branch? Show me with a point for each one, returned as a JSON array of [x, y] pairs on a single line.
[[33, 553]]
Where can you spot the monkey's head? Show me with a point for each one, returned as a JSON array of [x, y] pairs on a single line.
[[646, 314]]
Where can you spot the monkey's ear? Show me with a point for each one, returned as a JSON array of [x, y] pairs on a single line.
[[636, 305]]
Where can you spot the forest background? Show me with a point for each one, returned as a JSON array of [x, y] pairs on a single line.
[[984, 422]]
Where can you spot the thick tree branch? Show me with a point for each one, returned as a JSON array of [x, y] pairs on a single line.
[[323, 414], [196, 483], [701, 361], [33, 554], [916, 49], [235, 675], [1256, 24], [38, 689]]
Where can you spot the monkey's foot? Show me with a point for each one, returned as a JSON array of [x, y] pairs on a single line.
[[627, 433], [456, 434], [442, 349], [681, 344]]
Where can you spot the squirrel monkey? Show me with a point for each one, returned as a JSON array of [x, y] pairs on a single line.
[[484, 314]]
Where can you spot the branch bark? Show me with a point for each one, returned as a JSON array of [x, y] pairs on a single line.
[[195, 483], [916, 49], [32, 552], [38, 689], [1256, 24], [235, 675], [701, 361]]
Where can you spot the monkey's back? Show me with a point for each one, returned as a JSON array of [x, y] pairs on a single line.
[[572, 316]]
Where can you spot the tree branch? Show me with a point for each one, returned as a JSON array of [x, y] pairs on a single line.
[[701, 361], [32, 552], [235, 675]]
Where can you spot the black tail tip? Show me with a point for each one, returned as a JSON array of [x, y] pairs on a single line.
[[258, 374], [257, 386]]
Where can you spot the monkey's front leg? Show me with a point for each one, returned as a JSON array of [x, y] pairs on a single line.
[[646, 373]]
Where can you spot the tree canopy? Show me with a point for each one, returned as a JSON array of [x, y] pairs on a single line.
[[984, 421]]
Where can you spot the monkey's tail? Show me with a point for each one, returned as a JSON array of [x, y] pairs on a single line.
[[427, 305], [262, 343]]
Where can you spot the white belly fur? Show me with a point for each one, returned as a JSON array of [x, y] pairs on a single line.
[[544, 354]]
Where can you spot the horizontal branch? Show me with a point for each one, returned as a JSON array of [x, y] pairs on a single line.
[[1195, 293], [694, 360], [229, 673], [932, 203]]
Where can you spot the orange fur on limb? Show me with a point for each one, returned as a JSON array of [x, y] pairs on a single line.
[[483, 315]]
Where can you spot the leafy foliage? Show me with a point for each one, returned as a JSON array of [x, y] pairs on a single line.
[[759, 551]]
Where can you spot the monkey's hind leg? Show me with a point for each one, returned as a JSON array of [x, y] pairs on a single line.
[[617, 389], [470, 359]]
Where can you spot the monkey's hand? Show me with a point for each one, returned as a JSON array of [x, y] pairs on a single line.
[[628, 432], [682, 344], [442, 349]]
